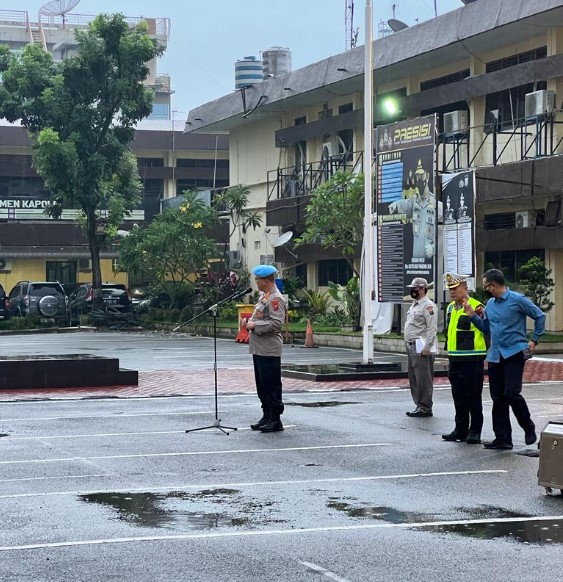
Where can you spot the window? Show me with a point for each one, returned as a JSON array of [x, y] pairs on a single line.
[[195, 163], [160, 111], [62, 271], [335, 270], [150, 162], [509, 262], [446, 80], [533, 55], [347, 107], [505, 107]]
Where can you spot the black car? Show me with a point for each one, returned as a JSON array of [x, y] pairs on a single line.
[[44, 298], [3, 300], [114, 295]]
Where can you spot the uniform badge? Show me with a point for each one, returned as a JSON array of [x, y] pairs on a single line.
[[430, 310], [275, 304]]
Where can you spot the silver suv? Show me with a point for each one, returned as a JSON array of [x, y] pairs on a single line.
[[46, 299]]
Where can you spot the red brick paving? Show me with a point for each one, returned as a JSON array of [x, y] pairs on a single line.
[[239, 381]]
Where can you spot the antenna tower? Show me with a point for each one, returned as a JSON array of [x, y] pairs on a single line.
[[350, 31]]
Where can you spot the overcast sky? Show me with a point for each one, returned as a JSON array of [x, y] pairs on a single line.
[[208, 36]]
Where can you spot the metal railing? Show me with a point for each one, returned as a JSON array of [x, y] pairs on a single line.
[[18, 18], [527, 138], [301, 180]]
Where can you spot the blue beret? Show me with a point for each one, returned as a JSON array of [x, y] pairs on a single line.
[[264, 270]]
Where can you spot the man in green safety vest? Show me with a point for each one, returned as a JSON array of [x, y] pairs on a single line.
[[467, 349]]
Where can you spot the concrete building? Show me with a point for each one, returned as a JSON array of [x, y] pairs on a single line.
[[476, 68], [35, 247]]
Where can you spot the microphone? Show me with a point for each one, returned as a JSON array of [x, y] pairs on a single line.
[[241, 293]]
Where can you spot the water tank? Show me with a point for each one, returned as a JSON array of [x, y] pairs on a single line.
[[248, 71], [277, 61]]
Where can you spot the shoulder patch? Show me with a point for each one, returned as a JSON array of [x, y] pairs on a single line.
[[275, 304], [430, 309]]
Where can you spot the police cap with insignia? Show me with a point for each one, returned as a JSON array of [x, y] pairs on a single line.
[[418, 282], [263, 271], [453, 280]]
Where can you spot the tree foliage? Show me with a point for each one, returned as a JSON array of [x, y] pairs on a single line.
[[171, 250], [335, 215], [81, 113], [536, 283]]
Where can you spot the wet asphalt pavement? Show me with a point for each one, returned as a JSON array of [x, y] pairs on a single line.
[[352, 490]]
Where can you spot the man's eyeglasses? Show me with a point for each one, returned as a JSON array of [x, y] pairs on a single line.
[[486, 287]]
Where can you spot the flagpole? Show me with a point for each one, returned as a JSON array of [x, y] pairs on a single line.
[[368, 283]]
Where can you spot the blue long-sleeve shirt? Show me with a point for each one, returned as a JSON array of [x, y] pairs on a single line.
[[505, 321]]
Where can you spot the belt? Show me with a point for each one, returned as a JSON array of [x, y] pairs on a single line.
[[410, 343]]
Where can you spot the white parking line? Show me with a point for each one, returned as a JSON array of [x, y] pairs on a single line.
[[323, 571], [278, 532], [192, 453], [260, 483], [114, 415]]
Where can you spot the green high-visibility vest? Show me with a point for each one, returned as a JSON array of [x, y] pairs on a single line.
[[463, 338]]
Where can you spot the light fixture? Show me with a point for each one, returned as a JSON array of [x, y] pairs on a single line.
[[287, 89], [342, 69], [390, 106]]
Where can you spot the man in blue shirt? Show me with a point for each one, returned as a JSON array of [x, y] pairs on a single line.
[[504, 318]]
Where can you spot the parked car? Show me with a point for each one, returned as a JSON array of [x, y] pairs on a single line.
[[44, 298], [139, 294], [3, 300], [114, 295]]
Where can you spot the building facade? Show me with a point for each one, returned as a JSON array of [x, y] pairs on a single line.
[[492, 72], [36, 247]]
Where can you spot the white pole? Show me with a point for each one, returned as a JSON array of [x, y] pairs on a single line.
[[368, 283]]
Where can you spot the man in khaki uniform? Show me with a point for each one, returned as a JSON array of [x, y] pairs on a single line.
[[421, 325], [266, 343]]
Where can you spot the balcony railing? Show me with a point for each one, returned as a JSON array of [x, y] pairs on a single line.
[[495, 143], [303, 179]]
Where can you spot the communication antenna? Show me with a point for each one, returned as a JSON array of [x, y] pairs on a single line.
[[58, 8], [350, 32], [282, 240]]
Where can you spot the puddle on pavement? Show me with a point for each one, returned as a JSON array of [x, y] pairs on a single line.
[[529, 532], [319, 404], [181, 510], [388, 514]]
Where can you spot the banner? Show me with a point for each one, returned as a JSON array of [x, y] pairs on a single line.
[[458, 197], [406, 206]]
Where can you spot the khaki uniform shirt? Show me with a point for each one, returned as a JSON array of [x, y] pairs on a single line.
[[422, 321], [269, 316]]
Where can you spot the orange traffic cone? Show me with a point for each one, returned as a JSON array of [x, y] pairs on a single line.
[[309, 342]]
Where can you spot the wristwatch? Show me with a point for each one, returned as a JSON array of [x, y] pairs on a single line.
[[536, 342]]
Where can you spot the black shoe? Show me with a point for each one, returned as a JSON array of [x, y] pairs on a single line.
[[498, 445], [272, 426], [453, 437], [474, 438], [530, 436], [419, 414], [258, 425]]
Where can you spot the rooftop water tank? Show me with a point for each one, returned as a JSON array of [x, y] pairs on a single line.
[[248, 71], [277, 61]]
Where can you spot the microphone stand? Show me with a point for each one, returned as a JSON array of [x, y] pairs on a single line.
[[214, 310]]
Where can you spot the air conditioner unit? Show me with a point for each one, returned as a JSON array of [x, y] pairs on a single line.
[[84, 265], [233, 259], [5, 265], [456, 121], [330, 150], [539, 102], [524, 219]]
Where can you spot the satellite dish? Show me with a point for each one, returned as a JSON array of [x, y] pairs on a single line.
[[396, 25], [468, 1], [58, 8], [283, 239]]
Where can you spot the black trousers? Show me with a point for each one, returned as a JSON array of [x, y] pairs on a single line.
[[505, 380], [267, 373], [466, 378]]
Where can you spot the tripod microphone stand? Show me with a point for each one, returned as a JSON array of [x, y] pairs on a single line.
[[214, 310]]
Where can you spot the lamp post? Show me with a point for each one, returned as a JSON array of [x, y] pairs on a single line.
[[368, 273]]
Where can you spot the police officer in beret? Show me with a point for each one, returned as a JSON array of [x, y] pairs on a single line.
[[266, 343], [467, 349]]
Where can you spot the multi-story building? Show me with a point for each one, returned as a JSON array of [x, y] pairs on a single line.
[[32, 246], [492, 71]]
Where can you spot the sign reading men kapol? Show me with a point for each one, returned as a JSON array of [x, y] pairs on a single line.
[[406, 205]]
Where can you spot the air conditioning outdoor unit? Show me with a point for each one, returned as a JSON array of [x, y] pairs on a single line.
[[5, 265], [84, 265], [524, 219], [330, 149], [539, 102], [233, 259], [456, 121]]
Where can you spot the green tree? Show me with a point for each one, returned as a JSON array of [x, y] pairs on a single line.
[[536, 283], [173, 248], [80, 114], [335, 216]]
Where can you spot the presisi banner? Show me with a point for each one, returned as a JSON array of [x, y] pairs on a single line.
[[406, 206], [458, 197]]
